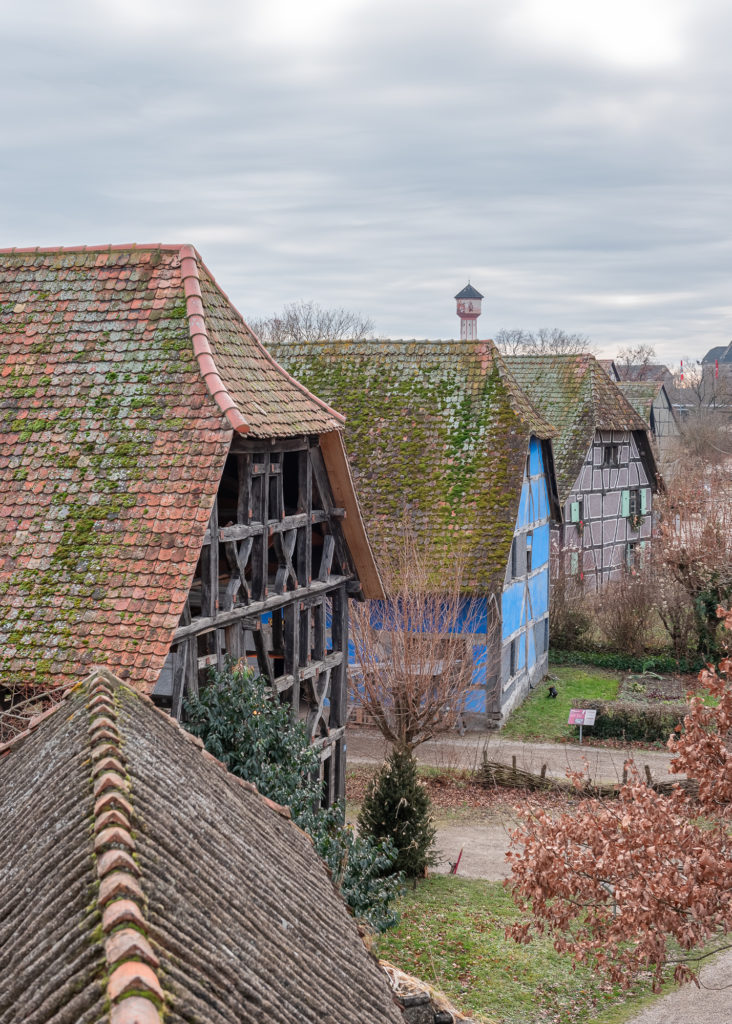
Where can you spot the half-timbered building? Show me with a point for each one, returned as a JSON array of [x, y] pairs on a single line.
[[446, 447], [170, 495], [606, 470]]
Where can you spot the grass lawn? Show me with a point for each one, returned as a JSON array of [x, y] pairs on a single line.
[[451, 935], [540, 718]]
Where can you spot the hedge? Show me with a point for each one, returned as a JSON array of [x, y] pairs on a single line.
[[663, 664], [626, 720]]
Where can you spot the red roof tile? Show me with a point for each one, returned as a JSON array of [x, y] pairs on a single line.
[[124, 372]]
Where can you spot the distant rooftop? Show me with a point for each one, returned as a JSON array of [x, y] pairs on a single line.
[[469, 292]]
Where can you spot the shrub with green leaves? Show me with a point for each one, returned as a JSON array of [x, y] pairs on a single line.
[[397, 807], [244, 725]]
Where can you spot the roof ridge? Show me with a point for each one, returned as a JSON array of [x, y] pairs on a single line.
[[203, 351], [40, 249], [600, 379], [542, 423], [133, 986]]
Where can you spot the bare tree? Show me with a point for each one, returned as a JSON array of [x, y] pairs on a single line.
[[640, 355], [693, 547], [414, 658], [546, 341], [307, 321]]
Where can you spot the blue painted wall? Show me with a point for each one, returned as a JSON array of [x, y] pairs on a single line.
[[524, 600]]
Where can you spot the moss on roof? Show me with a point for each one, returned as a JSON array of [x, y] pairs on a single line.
[[111, 451], [577, 397], [641, 395], [437, 433]]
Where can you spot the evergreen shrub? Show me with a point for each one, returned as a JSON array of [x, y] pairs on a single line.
[[244, 725], [397, 808]]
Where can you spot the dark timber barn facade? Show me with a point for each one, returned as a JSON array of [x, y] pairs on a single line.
[[170, 496]]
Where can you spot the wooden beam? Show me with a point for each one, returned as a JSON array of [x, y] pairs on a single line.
[[258, 445], [292, 654], [321, 478]]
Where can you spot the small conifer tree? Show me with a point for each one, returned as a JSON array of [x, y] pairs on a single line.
[[397, 807]]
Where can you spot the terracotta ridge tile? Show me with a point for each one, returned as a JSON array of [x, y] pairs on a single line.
[[133, 976], [108, 764], [112, 799], [114, 861], [135, 1010], [128, 247], [110, 818], [110, 780], [122, 911], [194, 291], [129, 944], [133, 986], [113, 836]]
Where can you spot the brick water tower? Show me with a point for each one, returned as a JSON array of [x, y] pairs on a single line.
[[468, 309]]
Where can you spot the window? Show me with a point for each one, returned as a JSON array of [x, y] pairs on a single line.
[[634, 502], [632, 555], [529, 544], [528, 465], [610, 453], [577, 511], [514, 560], [513, 657]]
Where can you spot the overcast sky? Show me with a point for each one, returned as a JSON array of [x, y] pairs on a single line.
[[571, 157]]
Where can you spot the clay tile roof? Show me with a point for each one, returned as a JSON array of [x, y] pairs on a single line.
[[641, 394], [230, 919], [437, 434], [123, 374], [576, 395]]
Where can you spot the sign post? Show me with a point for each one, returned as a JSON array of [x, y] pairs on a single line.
[[580, 717]]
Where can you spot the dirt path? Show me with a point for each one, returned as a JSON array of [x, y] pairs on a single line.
[[605, 764], [484, 850]]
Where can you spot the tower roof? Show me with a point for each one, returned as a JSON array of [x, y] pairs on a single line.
[[469, 292]]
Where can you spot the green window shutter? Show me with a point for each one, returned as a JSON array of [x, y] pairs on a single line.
[[625, 503], [642, 559], [574, 512], [644, 501], [574, 562]]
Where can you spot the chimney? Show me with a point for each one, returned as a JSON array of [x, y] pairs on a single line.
[[468, 309]]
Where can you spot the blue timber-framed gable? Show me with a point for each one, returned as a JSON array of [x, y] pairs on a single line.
[[525, 595]]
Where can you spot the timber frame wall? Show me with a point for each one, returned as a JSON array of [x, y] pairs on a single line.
[[602, 536], [272, 586]]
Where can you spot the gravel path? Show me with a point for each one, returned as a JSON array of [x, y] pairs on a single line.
[[605, 764], [484, 844]]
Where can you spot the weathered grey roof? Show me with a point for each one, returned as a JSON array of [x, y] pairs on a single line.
[[577, 396], [138, 872], [437, 433], [469, 292], [642, 394], [722, 353], [643, 371]]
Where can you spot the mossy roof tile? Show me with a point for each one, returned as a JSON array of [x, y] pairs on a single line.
[[437, 434], [578, 397], [114, 438]]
